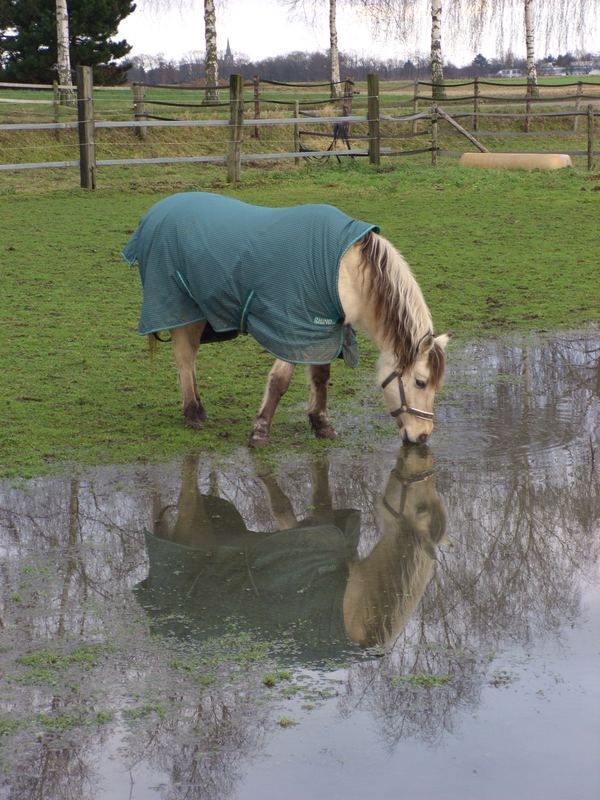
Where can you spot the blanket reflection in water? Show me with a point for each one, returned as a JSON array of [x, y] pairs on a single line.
[[207, 570]]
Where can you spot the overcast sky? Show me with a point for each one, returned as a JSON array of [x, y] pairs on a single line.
[[262, 28]]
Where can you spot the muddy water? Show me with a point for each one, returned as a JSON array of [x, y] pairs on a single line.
[[391, 622]]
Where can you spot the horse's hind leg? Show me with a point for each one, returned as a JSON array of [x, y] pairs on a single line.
[[186, 341], [277, 385], [317, 406]]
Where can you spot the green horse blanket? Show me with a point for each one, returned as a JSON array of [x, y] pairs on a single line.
[[269, 272]]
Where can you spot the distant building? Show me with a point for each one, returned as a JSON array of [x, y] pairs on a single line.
[[228, 61], [579, 68], [549, 71], [509, 73]]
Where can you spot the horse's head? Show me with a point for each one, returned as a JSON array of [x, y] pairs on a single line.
[[386, 586], [409, 394]]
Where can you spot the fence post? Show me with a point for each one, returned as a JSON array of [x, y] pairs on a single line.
[[476, 93], [590, 137], [236, 118], [297, 132], [434, 136], [415, 125], [373, 118], [256, 85], [85, 117], [348, 97], [139, 110], [578, 104]]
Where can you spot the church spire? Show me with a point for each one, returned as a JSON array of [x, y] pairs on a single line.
[[228, 59]]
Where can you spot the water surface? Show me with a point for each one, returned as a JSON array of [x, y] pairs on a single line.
[[419, 622]]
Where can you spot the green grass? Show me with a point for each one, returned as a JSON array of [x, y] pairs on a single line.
[[48, 667], [491, 251]]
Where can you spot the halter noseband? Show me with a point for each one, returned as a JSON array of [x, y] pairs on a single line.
[[404, 407], [405, 484]]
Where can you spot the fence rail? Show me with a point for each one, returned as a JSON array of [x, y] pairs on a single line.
[[369, 124]]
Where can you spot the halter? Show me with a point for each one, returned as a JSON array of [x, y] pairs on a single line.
[[404, 407], [406, 483]]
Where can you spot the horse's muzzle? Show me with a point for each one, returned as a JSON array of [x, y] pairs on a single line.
[[420, 440]]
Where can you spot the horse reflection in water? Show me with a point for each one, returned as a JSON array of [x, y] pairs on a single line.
[[384, 588], [305, 580]]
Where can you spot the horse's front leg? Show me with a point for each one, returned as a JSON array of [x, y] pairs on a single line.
[[317, 406], [280, 505], [186, 341], [277, 385]]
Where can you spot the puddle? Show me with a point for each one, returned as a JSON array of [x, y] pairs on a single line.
[[422, 622]]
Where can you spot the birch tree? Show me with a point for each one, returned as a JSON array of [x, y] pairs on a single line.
[[402, 17], [437, 71], [211, 69], [560, 22], [530, 46], [310, 9], [334, 55], [63, 57]]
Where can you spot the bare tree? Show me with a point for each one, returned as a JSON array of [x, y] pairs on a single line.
[[309, 9], [63, 57], [334, 55], [559, 21], [437, 72], [400, 17], [530, 45], [211, 72]]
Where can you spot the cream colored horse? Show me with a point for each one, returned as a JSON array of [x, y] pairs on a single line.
[[385, 587], [381, 297]]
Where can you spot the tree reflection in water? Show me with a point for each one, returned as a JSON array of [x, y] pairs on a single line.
[[360, 550]]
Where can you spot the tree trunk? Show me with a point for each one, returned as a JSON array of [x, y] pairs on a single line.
[[63, 58], [334, 56], [532, 84], [437, 72], [211, 73]]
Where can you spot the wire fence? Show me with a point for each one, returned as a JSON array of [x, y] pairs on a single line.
[[299, 121]]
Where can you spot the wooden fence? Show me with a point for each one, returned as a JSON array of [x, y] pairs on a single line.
[[545, 94], [380, 127]]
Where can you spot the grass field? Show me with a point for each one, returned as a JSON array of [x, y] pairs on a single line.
[[491, 251]]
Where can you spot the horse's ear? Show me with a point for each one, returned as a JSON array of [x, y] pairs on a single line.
[[442, 340], [426, 344]]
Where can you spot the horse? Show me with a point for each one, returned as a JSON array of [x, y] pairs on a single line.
[[386, 586], [299, 280], [306, 575]]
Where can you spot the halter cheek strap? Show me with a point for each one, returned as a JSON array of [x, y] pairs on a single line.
[[404, 407], [405, 484]]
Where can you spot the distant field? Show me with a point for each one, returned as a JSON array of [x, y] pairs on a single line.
[[491, 250]]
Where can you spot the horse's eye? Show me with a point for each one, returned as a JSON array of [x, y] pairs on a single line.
[[420, 384]]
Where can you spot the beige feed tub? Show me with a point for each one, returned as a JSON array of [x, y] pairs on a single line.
[[516, 160]]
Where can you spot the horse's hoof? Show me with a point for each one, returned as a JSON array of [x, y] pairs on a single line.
[[259, 436], [321, 427], [326, 432], [257, 441], [194, 417]]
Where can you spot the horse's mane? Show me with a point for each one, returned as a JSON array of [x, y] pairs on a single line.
[[399, 305]]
